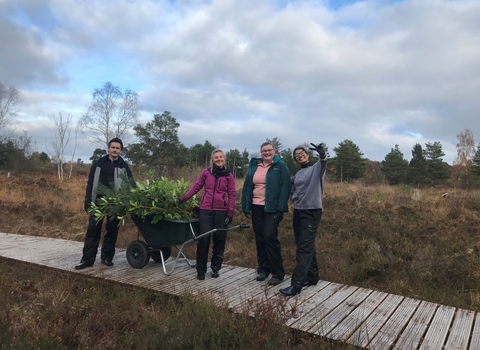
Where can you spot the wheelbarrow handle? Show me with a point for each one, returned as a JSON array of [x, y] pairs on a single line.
[[238, 226], [221, 230]]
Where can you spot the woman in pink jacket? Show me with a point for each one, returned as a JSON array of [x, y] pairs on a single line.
[[216, 211]]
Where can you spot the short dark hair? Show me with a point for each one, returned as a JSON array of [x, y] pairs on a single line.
[[297, 148], [117, 140]]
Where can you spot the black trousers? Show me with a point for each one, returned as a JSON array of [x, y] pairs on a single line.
[[208, 220], [269, 252], [92, 239], [305, 225]]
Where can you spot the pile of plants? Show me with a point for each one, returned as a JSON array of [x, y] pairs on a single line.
[[152, 199]]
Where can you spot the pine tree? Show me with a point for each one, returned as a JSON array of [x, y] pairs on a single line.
[[436, 167], [348, 162], [476, 162], [394, 167], [159, 144], [417, 169]]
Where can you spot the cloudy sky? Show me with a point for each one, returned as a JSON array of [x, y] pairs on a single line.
[[236, 72]]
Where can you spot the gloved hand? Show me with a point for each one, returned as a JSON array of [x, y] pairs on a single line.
[[228, 220], [248, 215], [177, 200], [86, 204], [319, 149], [278, 217]]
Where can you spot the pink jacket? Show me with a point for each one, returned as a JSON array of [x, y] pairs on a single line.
[[219, 193]]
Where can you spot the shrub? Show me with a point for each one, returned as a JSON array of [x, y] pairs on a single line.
[[156, 199]]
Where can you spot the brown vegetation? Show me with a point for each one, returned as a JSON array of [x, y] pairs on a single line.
[[45, 310], [379, 237], [385, 238]]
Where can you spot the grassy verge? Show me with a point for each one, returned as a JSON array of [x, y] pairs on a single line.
[[41, 309]]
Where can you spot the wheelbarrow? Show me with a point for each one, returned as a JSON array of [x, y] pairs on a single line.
[[161, 237]]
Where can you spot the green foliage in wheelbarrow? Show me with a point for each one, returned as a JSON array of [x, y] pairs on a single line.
[[155, 199]]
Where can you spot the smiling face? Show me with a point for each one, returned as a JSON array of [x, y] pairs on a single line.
[[114, 150], [301, 157], [218, 159], [268, 152]]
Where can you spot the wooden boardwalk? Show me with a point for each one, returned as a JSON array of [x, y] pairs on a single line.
[[365, 318]]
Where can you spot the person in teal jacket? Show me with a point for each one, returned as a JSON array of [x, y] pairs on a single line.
[[265, 195]]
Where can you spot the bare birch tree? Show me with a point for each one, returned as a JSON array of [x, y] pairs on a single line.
[[463, 161], [60, 139], [111, 114], [9, 99], [465, 148]]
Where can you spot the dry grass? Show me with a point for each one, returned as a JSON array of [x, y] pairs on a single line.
[[44, 310], [384, 238], [381, 237]]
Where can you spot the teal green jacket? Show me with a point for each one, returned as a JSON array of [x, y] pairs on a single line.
[[277, 186]]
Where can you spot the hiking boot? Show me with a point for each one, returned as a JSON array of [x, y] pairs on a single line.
[[275, 281], [261, 276], [290, 291]]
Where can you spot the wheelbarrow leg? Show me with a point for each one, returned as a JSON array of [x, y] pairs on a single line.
[[180, 256], [193, 241]]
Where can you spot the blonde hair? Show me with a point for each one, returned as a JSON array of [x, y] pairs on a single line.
[[217, 150]]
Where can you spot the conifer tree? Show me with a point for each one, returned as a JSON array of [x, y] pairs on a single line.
[[436, 167], [476, 162], [348, 163], [417, 169], [394, 166]]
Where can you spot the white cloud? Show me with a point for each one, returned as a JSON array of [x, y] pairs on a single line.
[[238, 72]]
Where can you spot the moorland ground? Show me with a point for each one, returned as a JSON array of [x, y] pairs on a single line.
[[394, 239]]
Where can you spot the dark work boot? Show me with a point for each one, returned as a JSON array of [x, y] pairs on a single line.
[[290, 291], [83, 264], [262, 275]]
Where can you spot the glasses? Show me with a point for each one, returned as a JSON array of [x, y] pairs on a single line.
[[267, 150], [299, 154]]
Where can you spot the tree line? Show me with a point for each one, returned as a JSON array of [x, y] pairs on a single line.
[[114, 113]]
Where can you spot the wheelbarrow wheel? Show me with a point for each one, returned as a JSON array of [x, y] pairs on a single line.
[[155, 254], [138, 254]]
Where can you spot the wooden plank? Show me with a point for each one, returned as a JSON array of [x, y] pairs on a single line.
[[308, 304], [359, 316], [345, 329], [43, 250], [340, 312], [416, 327], [460, 332], [234, 279], [215, 287], [259, 293], [367, 331], [388, 334], [245, 300], [438, 329], [475, 338], [295, 303], [321, 307]]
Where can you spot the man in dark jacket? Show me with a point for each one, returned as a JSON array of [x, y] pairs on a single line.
[[110, 171]]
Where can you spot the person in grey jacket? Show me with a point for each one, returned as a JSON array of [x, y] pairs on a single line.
[[110, 171], [307, 193]]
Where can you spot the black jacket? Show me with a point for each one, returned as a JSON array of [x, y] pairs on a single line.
[[107, 173]]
